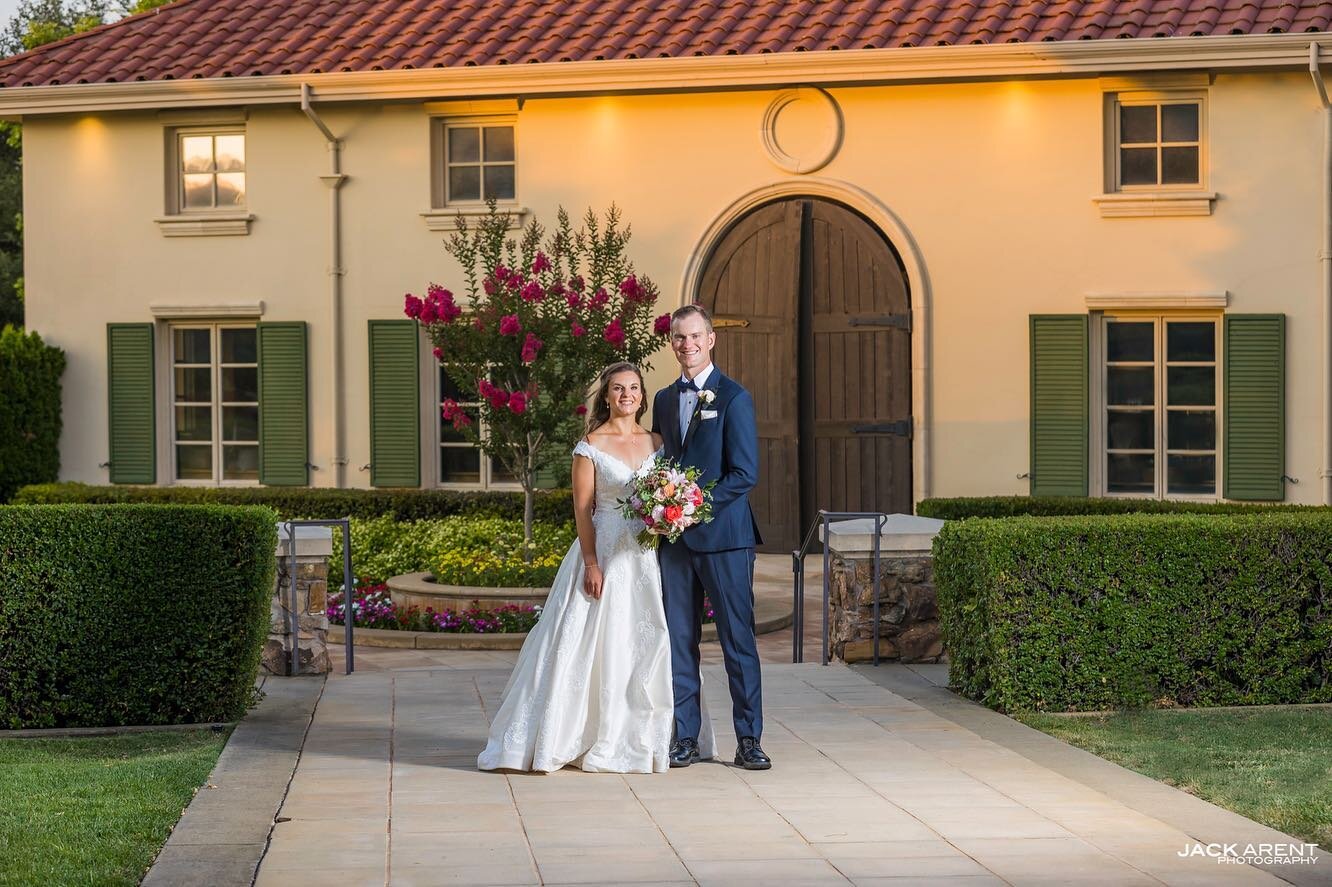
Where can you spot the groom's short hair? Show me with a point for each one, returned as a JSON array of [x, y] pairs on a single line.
[[692, 308]]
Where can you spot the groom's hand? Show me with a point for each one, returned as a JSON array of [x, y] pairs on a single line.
[[592, 581]]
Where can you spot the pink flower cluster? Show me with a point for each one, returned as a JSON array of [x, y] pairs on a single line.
[[499, 399], [455, 414], [438, 304]]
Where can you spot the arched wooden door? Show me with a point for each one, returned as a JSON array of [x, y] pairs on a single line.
[[813, 317]]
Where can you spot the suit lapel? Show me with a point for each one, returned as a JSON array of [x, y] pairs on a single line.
[[714, 380], [671, 421]]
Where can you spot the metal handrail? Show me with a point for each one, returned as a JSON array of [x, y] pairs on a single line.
[[348, 591], [798, 567]]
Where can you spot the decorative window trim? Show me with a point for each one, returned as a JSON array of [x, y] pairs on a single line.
[[1146, 201], [230, 310], [1150, 301], [178, 222], [442, 214], [1097, 470]]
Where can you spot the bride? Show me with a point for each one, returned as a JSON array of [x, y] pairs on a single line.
[[592, 686]]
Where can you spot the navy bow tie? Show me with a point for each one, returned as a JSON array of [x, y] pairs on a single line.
[[683, 385]]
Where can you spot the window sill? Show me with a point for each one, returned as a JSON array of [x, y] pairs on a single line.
[[213, 224], [1155, 204], [446, 218]]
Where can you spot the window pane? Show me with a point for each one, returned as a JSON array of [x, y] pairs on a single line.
[[194, 385], [448, 434], [1188, 386], [1179, 123], [194, 462], [1137, 166], [1191, 341], [499, 182], [1137, 123], [1179, 166], [231, 189], [464, 183], [1131, 473], [1191, 430], [464, 145], [459, 465], [194, 423], [196, 154], [499, 475], [240, 345], [1131, 386], [1131, 430], [1130, 341], [240, 384], [191, 346], [231, 153], [198, 191], [448, 390], [499, 143], [240, 423], [1191, 475], [240, 463]]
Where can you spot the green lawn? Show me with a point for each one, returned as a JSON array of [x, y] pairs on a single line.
[[1273, 765], [95, 810]]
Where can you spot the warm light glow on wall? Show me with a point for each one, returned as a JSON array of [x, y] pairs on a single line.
[[91, 157]]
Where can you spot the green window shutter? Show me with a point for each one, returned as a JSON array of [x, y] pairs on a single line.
[[395, 404], [284, 421], [1255, 407], [132, 404], [1059, 411]]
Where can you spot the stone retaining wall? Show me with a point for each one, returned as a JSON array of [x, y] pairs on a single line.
[[908, 610], [314, 546]]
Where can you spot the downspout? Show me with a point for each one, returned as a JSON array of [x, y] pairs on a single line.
[[1325, 260], [334, 180]]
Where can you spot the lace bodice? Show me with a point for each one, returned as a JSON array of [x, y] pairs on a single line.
[[613, 477]]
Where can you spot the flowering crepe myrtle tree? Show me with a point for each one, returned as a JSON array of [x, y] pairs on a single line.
[[540, 320]]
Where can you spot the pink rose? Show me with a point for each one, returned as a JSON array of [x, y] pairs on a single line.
[[412, 306], [662, 325], [518, 403], [509, 325]]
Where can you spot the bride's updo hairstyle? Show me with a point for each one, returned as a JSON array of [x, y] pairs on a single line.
[[599, 414]]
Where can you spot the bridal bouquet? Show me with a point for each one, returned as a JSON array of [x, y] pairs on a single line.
[[667, 499]]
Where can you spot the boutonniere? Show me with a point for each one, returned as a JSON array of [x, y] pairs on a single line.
[[707, 396]]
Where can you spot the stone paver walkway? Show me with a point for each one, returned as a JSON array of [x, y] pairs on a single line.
[[869, 788]]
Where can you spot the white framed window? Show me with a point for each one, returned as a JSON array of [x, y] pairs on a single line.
[[475, 159], [214, 391], [460, 465], [209, 169], [1158, 143], [1159, 415]]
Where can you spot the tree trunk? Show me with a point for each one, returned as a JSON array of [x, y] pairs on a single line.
[[529, 511]]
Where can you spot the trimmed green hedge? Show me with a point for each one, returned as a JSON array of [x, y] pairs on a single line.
[[317, 503], [29, 410], [1062, 506], [1089, 613], [131, 614]]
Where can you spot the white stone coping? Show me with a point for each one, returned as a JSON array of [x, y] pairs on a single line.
[[901, 533], [310, 541]]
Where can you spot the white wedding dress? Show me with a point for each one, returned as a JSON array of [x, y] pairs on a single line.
[[592, 686]]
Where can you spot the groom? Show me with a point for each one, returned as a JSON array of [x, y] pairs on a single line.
[[707, 421]]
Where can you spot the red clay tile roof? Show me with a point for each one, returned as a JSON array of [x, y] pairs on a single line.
[[234, 38]]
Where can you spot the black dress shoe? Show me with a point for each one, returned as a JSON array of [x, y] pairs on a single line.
[[749, 754], [683, 752]]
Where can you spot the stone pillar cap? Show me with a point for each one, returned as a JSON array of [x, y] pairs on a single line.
[[901, 532], [310, 541]]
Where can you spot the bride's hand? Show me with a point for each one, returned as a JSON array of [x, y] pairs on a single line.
[[592, 581]]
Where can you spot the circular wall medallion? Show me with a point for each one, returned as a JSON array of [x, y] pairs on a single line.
[[802, 129]]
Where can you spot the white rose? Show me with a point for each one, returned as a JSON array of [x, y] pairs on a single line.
[[707, 395], [688, 508]]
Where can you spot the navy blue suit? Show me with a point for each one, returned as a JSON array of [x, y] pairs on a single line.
[[716, 557]]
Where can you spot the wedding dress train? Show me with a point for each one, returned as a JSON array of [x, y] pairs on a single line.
[[592, 685]]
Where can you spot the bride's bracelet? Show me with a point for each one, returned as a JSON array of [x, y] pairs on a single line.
[[587, 566]]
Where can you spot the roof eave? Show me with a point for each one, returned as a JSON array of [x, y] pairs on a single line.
[[851, 67]]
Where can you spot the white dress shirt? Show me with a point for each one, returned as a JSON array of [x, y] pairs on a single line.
[[689, 399]]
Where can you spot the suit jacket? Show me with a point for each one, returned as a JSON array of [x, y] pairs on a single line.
[[725, 448]]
